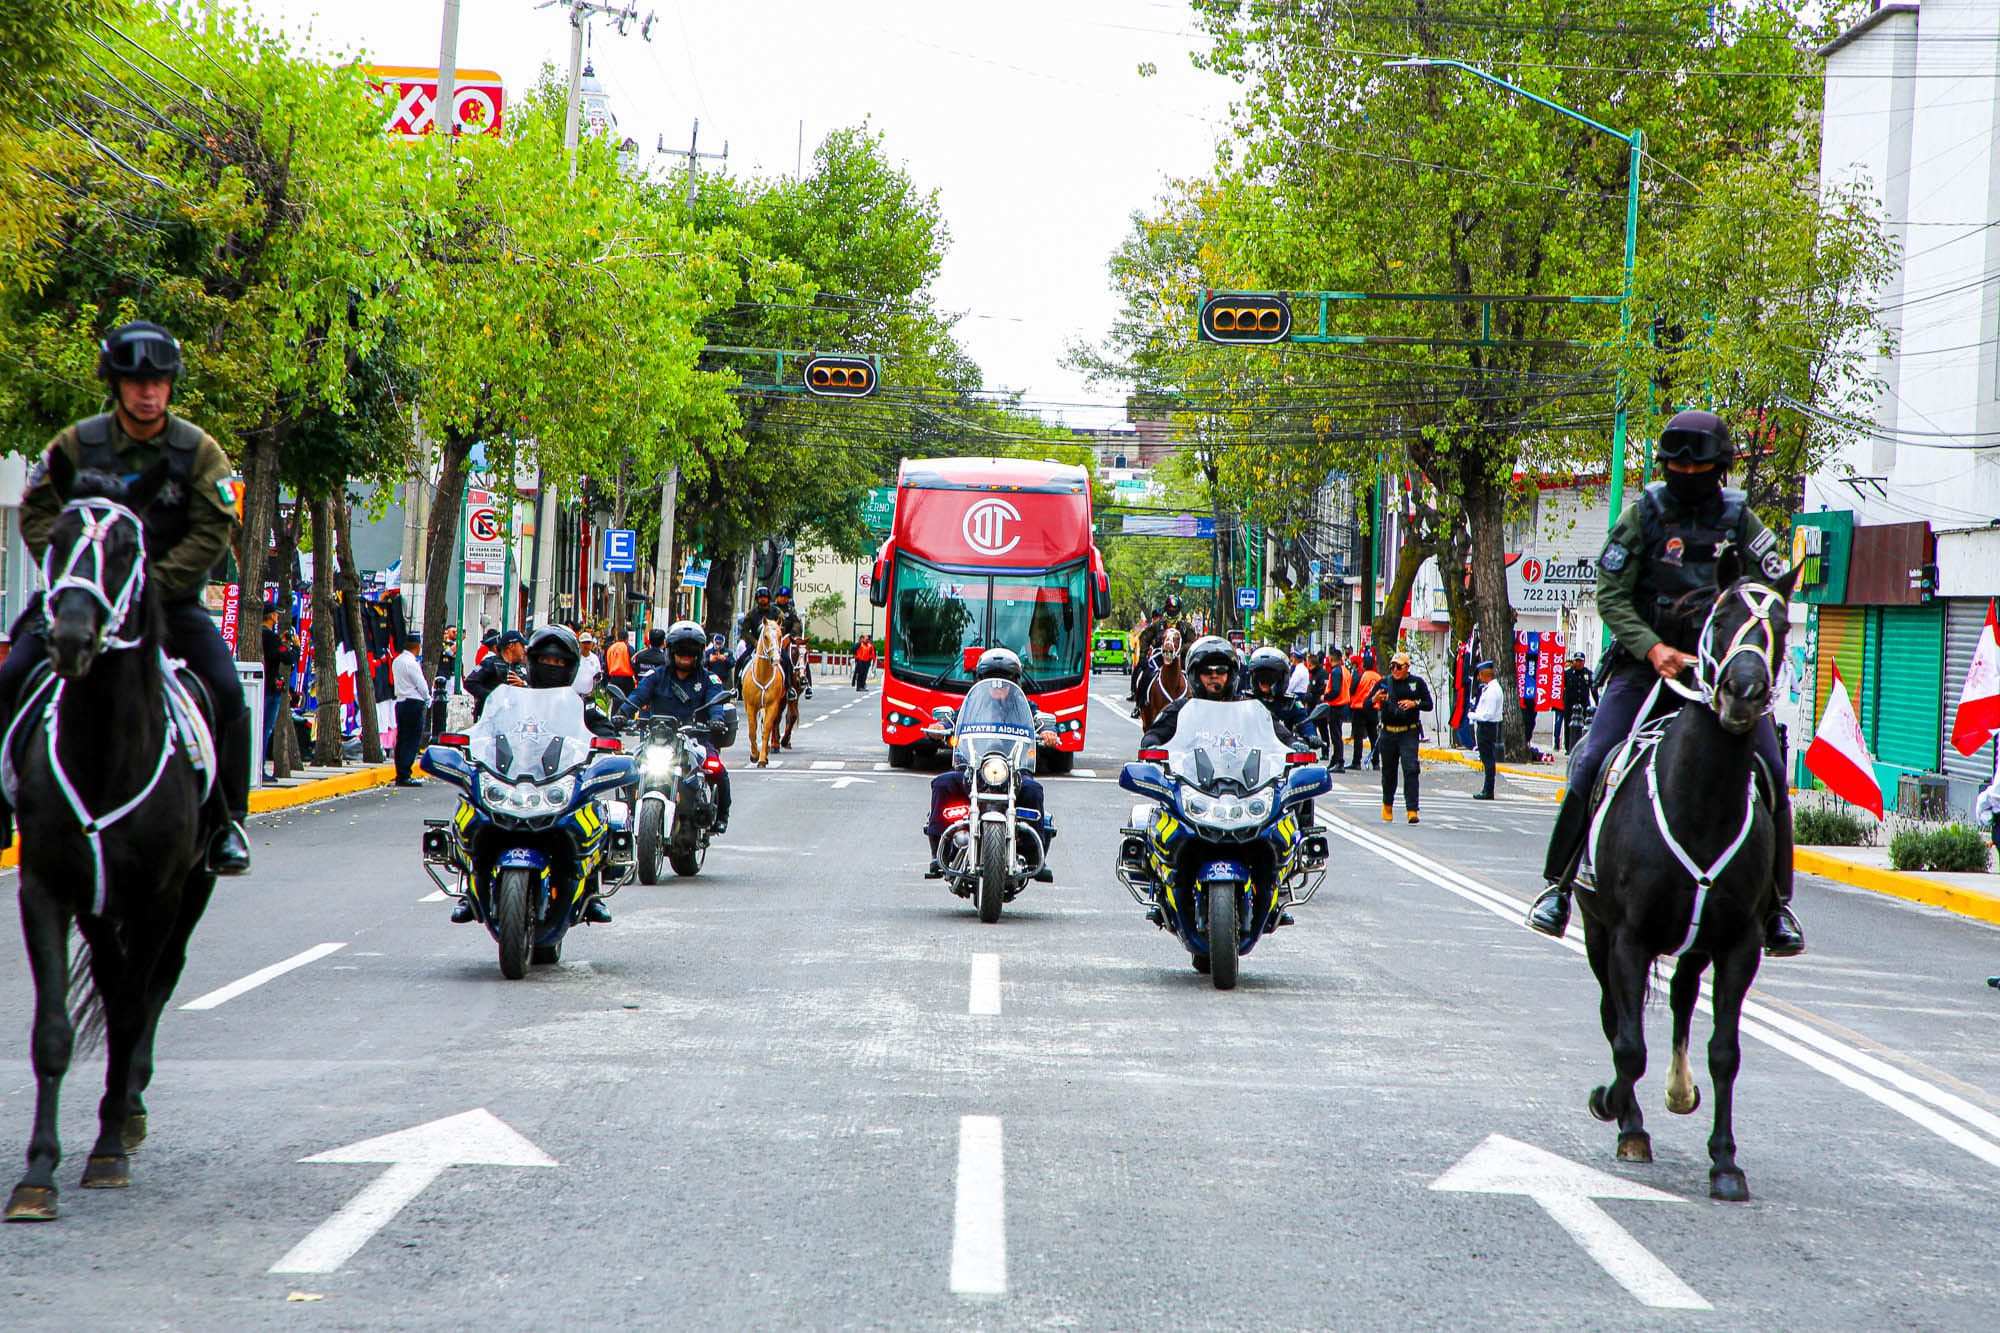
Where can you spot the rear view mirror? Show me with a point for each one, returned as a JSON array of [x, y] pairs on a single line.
[[878, 585], [946, 717], [1100, 597], [1149, 780], [1045, 721]]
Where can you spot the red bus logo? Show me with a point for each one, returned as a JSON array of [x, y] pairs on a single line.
[[985, 527]]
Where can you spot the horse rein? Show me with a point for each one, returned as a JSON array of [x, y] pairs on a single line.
[[100, 516], [1761, 602]]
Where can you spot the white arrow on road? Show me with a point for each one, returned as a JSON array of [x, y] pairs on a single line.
[[1565, 1191], [415, 1157], [838, 783]]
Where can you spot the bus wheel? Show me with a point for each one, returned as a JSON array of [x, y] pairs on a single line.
[[1055, 761], [902, 756]]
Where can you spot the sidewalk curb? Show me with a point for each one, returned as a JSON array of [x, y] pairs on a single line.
[[1440, 753], [1891, 883], [280, 798]]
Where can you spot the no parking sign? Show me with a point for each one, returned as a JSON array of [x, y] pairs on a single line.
[[485, 539]]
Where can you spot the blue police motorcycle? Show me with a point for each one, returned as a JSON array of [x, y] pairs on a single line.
[[1219, 854], [536, 835]]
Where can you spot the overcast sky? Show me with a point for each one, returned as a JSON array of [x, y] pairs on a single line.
[[1030, 119]]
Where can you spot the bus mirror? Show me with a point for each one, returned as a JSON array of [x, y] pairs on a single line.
[[878, 585], [1100, 597]]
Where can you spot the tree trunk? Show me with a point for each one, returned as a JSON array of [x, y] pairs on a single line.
[[1387, 631], [720, 604], [260, 506], [439, 541], [325, 645], [350, 605], [284, 754], [1486, 518]]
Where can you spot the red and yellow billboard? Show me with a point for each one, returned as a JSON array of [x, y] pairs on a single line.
[[479, 100]]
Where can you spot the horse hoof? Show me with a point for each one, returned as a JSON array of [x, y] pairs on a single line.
[[31, 1203], [107, 1173], [1693, 1103], [1728, 1186], [135, 1131], [1635, 1147], [1600, 1103]]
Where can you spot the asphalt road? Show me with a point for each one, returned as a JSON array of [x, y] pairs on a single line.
[[809, 1089]]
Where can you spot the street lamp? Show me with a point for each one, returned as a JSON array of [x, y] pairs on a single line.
[[1635, 141]]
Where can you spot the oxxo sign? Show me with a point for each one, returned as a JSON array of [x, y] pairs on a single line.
[[985, 527], [1534, 584], [478, 96]]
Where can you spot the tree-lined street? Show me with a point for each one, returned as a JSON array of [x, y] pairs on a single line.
[[807, 1087]]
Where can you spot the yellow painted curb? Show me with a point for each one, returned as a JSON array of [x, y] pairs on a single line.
[[1472, 761], [281, 798], [1900, 884]]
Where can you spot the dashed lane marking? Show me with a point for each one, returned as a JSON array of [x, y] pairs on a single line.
[[828, 765], [979, 1222], [985, 993], [262, 975]]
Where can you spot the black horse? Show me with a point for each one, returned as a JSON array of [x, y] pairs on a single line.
[[110, 809], [1684, 856]]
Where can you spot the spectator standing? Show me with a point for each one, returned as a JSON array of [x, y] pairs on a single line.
[[1400, 699], [1299, 684], [504, 666], [1361, 712], [618, 664], [1579, 693], [489, 644], [448, 657], [652, 657], [281, 654], [413, 699], [1338, 694], [864, 656], [1486, 723]]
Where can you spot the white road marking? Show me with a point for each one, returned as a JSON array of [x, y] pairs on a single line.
[[985, 998], [415, 1158], [434, 896], [1083, 772], [881, 766], [1977, 1130], [838, 783], [262, 975], [828, 765], [979, 1222], [1120, 711], [1567, 1191]]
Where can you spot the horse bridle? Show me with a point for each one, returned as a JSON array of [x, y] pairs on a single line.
[[1761, 602], [100, 516]]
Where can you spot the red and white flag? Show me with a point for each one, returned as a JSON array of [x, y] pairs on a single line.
[[1838, 756], [1978, 714]]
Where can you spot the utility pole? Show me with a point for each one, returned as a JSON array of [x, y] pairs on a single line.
[[694, 158], [580, 14], [444, 113]]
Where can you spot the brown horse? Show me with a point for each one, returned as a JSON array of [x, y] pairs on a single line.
[[797, 652], [1170, 683], [764, 691]]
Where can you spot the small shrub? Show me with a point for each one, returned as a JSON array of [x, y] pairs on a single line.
[[1953, 847], [1828, 826]]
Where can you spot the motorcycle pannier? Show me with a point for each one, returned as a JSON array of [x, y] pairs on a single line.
[[725, 730]]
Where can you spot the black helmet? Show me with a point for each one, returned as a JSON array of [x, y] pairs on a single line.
[[1210, 651], [558, 644], [685, 637], [1695, 437], [785, 591], [1173, 606], [138, 349], [1267, 663], [655, 637], [761, 594], [998, 663]]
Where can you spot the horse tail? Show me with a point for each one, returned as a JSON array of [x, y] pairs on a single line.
[[86, 1006]]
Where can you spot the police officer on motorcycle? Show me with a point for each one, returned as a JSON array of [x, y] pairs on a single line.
[[685, 691], [950, 787], [188, 528], [1265, 674], [1211, 669], [1663, 548]]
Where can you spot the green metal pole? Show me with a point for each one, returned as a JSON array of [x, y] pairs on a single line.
[[458, 610], [1618, 423]]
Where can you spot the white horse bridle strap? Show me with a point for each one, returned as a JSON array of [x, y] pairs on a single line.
[[92, 826], [1704, 877], [100, 516]]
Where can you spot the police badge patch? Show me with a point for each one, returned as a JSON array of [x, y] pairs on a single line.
[[1675, 552], [1774, 565], [1614, 557]]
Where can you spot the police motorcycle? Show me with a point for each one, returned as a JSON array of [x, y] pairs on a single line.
[[991, 847], [1218, 854], [676, 799], [537, 835]]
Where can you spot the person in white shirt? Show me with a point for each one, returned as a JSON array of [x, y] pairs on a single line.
[[413, 702], [1299, 685], [1486, 725]]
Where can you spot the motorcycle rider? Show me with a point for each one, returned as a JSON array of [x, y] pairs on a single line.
[[950, 787], [188, 528], [1265, 675], [1665, 546], [752, 624], [685, 691], [1212, 667]]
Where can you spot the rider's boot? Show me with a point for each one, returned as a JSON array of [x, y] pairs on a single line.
[[229, 848], [596, 913], [936, 870], [1047, 874], [1783, 937], [461, 914], [1550, 912]]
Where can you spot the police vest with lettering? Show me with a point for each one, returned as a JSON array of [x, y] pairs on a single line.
[[1680, 554]]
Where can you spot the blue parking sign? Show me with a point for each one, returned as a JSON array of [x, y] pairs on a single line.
[[621, 551]]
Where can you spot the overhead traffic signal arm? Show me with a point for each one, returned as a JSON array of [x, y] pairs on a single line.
[[842, 375], [1266, 318]]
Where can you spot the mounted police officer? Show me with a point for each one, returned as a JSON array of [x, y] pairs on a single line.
[[1147, 645], [188, 529], [1665, 547], [685, 691], [752, 624]]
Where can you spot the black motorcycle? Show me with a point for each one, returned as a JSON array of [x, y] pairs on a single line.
[[676, 801]]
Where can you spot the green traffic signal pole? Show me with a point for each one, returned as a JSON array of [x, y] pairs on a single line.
[[1636, 142]]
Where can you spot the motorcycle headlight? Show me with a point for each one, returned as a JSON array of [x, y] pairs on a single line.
[[993, 770], [1257, 807], [656, 762], [555, 794], [1197, 805]]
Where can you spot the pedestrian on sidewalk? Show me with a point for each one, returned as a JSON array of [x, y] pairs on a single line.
[[1362, 714], [1339, 699], [1486, 714], [1400, 698], [413, 701], [1579, 693], [864, 656]]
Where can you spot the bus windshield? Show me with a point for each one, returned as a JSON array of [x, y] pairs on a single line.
[[940, 613]]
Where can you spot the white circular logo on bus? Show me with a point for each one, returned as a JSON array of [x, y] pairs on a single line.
[[985, 527]]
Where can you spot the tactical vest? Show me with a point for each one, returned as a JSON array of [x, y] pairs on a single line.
[[167, 519], [1679, 557]]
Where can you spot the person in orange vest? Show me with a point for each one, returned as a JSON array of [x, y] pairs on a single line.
[[864, 654], [618, 664], [1339, 698], [1362, 712]]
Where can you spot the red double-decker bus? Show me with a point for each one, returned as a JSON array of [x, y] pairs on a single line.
[[988, 553]]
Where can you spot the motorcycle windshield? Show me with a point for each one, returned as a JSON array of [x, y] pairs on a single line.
[[996, 718], [1216, 742], [530, 733]]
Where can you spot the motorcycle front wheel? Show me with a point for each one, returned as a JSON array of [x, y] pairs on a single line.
[[1222, 937], [995, 857], [686, 860], [652, 842], [510, 907]]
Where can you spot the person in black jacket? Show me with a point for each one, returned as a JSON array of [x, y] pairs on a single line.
[[502, 667], [1400, 697], [281, 654], [652, 657], [1265, 676], [1579, 693]]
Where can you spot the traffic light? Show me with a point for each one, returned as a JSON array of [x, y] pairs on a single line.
[[840, 377], [1245, 317]]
